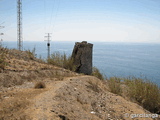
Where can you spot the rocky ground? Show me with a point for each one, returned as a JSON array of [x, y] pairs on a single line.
[[67, 95]]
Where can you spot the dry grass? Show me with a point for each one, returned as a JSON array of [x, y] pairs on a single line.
[[11, 78], [114, 84], [13, 105], [20, 66], [96, 73], [40, 85], [0, 96], [94, 85], [3, 62], [31, 54], [144, 92], [62, 60]]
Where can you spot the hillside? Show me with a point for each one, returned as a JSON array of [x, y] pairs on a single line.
[[66, 95]]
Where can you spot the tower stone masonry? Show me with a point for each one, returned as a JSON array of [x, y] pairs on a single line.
[[82, 56]]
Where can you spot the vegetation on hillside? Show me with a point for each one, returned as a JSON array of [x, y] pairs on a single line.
[[64, 61], [3, 62], [97, 73], [61, 60], [144, 92], [32, 53], [40, 85]]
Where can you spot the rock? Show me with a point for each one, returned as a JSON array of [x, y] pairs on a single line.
[[82, 56]]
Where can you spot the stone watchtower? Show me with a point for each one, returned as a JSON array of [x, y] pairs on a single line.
[[82, 56]]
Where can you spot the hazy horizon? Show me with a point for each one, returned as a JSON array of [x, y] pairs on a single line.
[[83, 20]]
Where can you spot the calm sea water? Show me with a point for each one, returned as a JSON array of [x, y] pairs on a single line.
[[113, 59]]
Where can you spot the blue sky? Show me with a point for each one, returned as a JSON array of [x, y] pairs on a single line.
[[77, 20]]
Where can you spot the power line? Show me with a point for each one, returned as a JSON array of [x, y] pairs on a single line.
[[52, 9], [55, 16], [19, 25]]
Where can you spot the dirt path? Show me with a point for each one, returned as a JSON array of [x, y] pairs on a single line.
[[42, 103], [73, 98]]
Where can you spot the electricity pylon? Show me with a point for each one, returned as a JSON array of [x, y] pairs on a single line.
[[1, 34], [48, 43], [19, 25]]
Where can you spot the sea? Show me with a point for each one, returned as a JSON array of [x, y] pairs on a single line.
[[140, 60]]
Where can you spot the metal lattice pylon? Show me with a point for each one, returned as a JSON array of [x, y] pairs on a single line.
[[48, 43], [19, 25]]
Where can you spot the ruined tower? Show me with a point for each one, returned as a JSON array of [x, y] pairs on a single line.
[[82, 56]]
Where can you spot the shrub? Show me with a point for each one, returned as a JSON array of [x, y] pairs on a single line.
[[94, 85], [3, 62], [32, 54], [40, 85], [144, 92], [96, 73], [114, 85], [61, 60]]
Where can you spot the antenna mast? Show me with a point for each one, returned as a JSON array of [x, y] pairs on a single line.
[[48, 43], [19, 25]]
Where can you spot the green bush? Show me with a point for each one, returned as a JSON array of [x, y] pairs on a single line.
[[61, 60]]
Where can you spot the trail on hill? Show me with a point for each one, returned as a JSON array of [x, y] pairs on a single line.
[[73, 98], [42, 103], [80, 98]]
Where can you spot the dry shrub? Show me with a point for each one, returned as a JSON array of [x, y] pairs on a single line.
[[10, 79], [13, 109], [62, 60], [115, 85], [40, 85], [13, 106], [96, 73], [3, 62], [144, 92], [31, 54], [94, 85]]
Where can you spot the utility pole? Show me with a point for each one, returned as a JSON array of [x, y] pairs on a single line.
[[19, 25], [48, 43], [1, 34]]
